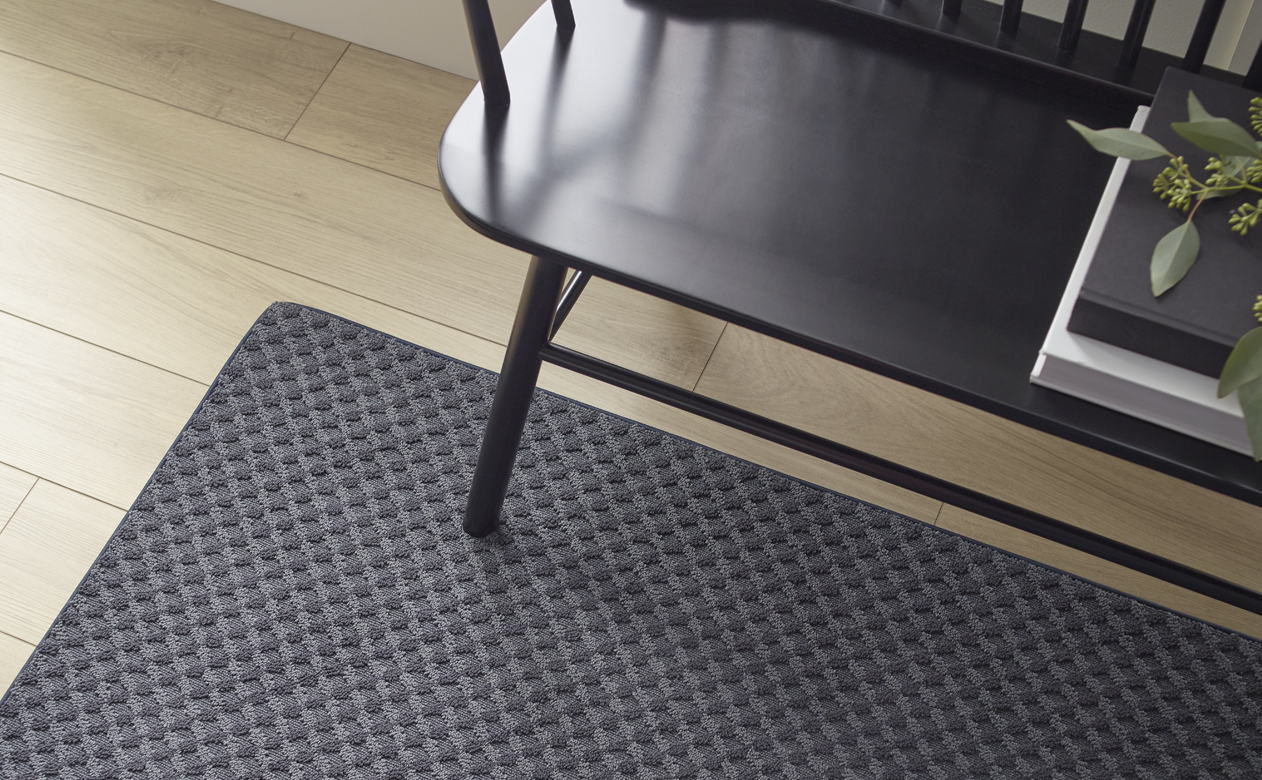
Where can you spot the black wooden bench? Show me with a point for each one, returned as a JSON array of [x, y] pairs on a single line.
[[890, 184]]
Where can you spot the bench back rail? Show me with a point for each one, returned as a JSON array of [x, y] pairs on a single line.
[[999, 36]]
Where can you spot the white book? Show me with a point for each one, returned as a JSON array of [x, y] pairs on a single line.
[[1125, 381]]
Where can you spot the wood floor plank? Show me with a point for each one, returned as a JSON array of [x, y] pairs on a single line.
[[13, 655], [357, 229], [209, 58], [183, 305], [84, 417], [384, 112], [1073, 483], [741, 445], [1097, 570], [161, 298], [640, 332], [389, 240], [44, 553], [14, 485]]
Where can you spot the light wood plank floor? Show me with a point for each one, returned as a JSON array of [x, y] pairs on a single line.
[[170, 167]]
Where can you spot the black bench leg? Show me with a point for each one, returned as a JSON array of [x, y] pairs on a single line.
[[512, 396]]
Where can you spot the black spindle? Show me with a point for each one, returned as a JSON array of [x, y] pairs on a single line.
[[951, 8], [1141, 12], [1072, 27], [1011, 17], [1253, 79], [1205, 26], [564, 14], [569, 297], [486, 50]]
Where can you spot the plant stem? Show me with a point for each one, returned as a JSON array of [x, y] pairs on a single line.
[[1197, 205], [1244, 185]]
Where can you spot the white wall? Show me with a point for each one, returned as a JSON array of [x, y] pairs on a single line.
[[1250, 38], [433, 31], [429, 31]]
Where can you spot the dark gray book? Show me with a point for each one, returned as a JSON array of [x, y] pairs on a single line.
[[1196, 324], [1125, 381]]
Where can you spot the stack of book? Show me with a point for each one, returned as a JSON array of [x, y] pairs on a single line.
[[1158, 359]]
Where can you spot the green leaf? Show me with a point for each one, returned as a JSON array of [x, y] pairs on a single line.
[[1173, 256], [1250, 398], [1120, 142], [1219, 136], [1243, 365], [1197, 112]]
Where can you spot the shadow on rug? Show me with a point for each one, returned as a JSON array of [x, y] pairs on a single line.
[[292, 596]]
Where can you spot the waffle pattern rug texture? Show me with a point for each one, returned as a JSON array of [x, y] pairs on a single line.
[[292, 596]]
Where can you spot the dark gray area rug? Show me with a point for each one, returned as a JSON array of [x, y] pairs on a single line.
[[292, 596]]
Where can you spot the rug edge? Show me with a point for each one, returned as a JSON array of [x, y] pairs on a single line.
[[806, 483]]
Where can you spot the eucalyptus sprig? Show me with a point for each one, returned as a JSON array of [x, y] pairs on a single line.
[[1242, 374], [1234, 168]]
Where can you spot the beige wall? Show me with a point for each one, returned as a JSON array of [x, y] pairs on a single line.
[[427, 31]]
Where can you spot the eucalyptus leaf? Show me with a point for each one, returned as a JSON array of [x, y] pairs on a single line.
[[1219, 136], [1173, 256], [1243, 365], [1121, 142], [1250, 397], [1197, 112]]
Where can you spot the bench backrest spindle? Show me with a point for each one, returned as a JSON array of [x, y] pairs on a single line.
[[486, 46], [486, 51], [1141, 13], [1065, 54], [1205, 26], [1010, 20], [564, 13], [1072, 26]]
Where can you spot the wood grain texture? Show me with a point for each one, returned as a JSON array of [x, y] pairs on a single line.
[[84, 417], [45, 552], [182, 305], [387, 239], [164, 299], [979, 450], [14, 486], [1096, 570], [640, 332], [209, 58], [741, 445], [13, 655], [383, 112]]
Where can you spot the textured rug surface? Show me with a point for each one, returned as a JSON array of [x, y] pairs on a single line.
[[292, 596]]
